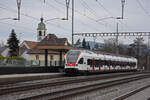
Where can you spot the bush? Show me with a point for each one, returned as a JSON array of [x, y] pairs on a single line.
[[16, 58], [1, 57]]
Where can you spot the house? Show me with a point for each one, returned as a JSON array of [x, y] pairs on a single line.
[[4, 51], [25, 47]]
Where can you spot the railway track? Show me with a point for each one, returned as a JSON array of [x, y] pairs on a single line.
[[131, 93], [18, 78], [69, 81], [73, 92], [26, 86]]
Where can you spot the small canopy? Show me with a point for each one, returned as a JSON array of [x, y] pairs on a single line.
[[51, 42]]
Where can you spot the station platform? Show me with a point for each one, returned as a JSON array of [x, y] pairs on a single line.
[[14, 78]]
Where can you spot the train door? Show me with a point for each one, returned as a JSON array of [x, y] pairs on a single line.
[[100, 64], [93, 64], [81, 64], [89, 63]]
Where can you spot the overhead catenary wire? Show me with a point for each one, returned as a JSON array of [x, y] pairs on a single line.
[[57, 9], [109, 13], [79, 12], [141, 6], [89, 8], [88, 17], [21, 27], [29, 16]]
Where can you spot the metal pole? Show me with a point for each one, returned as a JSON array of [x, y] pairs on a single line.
[[18, 5], [72, 22], [46, 57], [148, 53], [122, 11], [138, 51], [117, 52]]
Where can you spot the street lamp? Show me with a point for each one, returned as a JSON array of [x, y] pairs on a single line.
[[9, 18], [55, 19], [117, 25], [123, 3], [108, 18]]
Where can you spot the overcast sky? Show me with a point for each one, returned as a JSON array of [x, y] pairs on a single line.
[[87, 12]]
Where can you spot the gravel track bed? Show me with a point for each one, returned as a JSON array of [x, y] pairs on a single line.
[[112, 92], [43, 81], [23, 94], [35, 92]]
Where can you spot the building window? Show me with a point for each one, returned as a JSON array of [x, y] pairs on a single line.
[[37, 57], [51, 57]]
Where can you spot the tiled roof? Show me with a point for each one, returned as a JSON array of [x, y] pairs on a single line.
[[2, 49], [37, 51], [52, 40], [31, 44]]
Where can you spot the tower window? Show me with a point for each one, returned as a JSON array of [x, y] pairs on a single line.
[[44, 33], [40, 33]]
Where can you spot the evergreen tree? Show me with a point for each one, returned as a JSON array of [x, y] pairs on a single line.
[[13, 44], [96, 46], [78, 42], [88, 46], [84, 43]]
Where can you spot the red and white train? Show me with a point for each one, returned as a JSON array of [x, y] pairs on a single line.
[[84, 61]]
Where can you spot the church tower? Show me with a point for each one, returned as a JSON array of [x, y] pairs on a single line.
[[41, 30]]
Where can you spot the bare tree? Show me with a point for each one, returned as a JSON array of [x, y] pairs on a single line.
[[109, 45], [139, 50]]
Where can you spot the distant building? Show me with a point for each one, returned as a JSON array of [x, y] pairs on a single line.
[[28, 45], [30, 51], [53, 55]]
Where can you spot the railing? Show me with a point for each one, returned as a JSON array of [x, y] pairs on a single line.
[[2, 62], [50, 63], [32, 63]]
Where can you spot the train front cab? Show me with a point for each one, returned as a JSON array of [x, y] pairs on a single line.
[[74, 63]]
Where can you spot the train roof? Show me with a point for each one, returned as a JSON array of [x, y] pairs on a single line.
[[107, 56]]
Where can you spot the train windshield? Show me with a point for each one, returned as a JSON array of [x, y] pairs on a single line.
[[72, 56]]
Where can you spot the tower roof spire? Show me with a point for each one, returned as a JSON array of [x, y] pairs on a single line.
[[42, 19], [41, 25]]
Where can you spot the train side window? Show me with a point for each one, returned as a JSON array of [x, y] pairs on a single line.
[[96, 63], [102, 62], [89, 62], [80, 61], [106, 62]]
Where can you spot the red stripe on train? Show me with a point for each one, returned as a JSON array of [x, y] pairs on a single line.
[[93, 68], [71, 64], [99, 67]]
